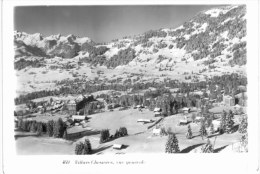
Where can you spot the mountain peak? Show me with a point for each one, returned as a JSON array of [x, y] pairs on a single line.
[[206, 35]]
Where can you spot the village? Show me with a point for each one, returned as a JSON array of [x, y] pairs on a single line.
[[110, 122]]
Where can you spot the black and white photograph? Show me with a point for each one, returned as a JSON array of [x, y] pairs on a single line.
[[127, 79]]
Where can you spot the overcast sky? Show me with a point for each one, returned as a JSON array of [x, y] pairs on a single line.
[[101, 23]]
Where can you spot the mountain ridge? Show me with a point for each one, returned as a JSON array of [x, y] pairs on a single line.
[[211, 43]]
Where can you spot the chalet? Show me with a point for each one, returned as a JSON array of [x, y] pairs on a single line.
[[148, 99], [186, 110], [117, 146], [198, 119], [166, 95], [206, 99], [228, 100], [78, 118], [242, 88], [156, 114], [39, 107], [152, 89], [238, 109], [156, 132], [101, 100], [212, 100], [237, 106], [216, 111], [56, 105], [216, 124], [80, 98], [71, 107], [69, 122], [157, 110], [144, 121], [84, 124], [183, 121]]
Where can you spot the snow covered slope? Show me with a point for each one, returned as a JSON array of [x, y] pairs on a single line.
[[211, 43]]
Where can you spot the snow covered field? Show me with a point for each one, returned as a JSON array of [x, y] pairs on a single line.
[[139, 140]]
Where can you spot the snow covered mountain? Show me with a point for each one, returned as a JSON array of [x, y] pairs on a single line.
[[211, 43], [55, 45]]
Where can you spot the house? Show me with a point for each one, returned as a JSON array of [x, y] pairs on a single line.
[[237, 106], [144, 121], [69, 122], [156, 132], [156, 114], [186, 110], [113, 106], [157, 110], [198, 119], [216, 111], [242, 88], [138, 106], [228, 100], [80, 98], [117, 146], [39, 107], [212, 100], [84, 125], [183, 121], [78, 118], [216, 124], [217, 115], [71, 105]]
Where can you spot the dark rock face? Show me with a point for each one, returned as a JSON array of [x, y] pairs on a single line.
[[66, 47], [27, 50]]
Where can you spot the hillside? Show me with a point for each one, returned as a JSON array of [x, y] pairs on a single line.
[[212, 43]]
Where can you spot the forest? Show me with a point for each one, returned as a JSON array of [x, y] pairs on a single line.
[[226, 83]]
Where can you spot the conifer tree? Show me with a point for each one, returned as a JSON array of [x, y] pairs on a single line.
[[29, 126], [229, 122], [189, 133], [116, 134], [39, 128], [222, 128], [193, 117], [23, 125], [243, 126], [244, 142], [79, 148], [87, 147], [20, 123], [169, 130], [50, 127], [203, 131], [58, 128], [209, 121], [172, 145], [122, 131], [104, 135], [163, 131], [212, 129], [65, 135], [33, 127], [208, 148]]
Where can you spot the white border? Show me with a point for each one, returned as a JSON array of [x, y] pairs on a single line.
[[183, 163]]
